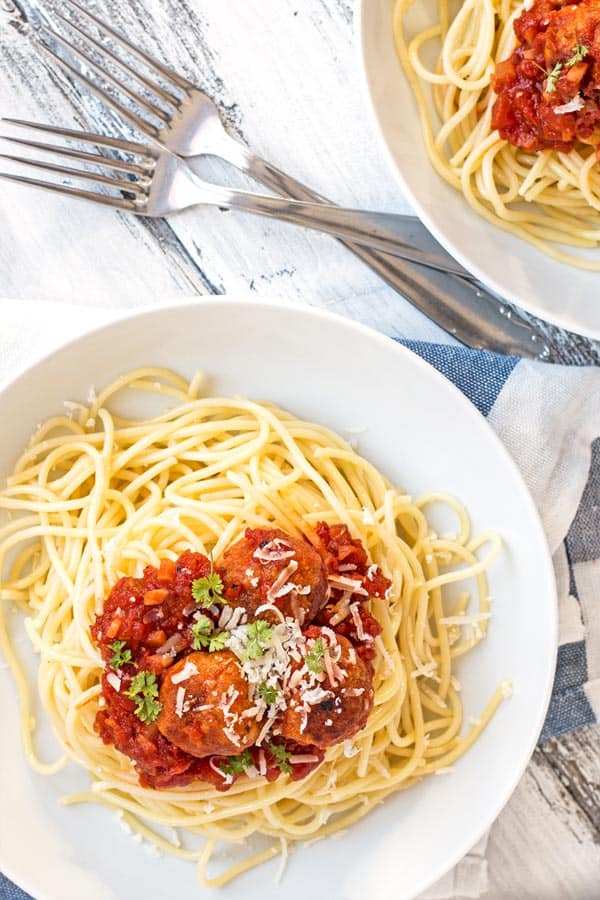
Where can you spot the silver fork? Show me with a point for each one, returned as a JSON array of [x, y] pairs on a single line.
[[163, 184], [185, 120], [149, 181]]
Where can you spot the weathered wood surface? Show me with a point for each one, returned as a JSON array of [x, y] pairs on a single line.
[[286, 77]]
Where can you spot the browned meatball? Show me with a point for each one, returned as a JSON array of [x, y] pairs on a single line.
[[203, 699], [269, 566], [333, 705]]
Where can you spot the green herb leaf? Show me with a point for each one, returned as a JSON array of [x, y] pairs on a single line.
[[258, 633], [217, 641], [553, 78], [314, 657], [205, 638], [209, 590], [281, 757], [579, 53], [201, 630], [268, 693], [144, 690], [121, 655], [236, 765]]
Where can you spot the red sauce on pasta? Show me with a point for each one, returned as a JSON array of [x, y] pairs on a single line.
[[185, 644], [548, 90]]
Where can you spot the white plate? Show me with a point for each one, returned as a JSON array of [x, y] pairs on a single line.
[[506, 264], [424, 435]]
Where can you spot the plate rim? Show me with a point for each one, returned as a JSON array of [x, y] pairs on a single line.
[[533, 308], [547, 575]]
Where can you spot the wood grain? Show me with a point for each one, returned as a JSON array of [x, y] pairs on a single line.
[[575, 761], [265, 63], [544, 846]]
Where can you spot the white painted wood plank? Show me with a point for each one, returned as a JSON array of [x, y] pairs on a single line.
[[321, 136], [75, 252], [543, 846]]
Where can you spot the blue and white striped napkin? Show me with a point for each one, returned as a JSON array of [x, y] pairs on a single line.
[[548, 417]]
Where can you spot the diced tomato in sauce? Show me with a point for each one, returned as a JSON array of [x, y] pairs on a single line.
[[151, 619], [556, 64]]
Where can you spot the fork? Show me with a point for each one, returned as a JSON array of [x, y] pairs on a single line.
[[185, 120], [193, 128], [149, 181], [162, 184]]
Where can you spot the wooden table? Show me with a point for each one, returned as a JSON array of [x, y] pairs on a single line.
[[286, 76]]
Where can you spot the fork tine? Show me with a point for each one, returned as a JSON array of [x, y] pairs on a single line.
[[86, 137], [105, 51], [116, 202], [130, 186], [167, 73], [128, 115], [109, 161], [150, 107]]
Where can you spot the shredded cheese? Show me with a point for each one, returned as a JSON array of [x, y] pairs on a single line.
[[179, 701], [188, 670]]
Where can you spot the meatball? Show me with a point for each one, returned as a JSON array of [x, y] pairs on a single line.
[[269, 566], [329, 706], [204, 697]]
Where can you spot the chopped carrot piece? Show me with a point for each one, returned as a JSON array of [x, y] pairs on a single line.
[[166, 570], [156, 638], [113, 628], [153, 598]]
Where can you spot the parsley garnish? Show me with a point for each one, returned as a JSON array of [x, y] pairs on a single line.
[[204, 638], [236, 765], [313, 659], [281, 756], [258, 633], [121, 656], [553, 78], [217, 641], [144, 690], [209, 590], [579, 53], [201, 630], [268, 692]]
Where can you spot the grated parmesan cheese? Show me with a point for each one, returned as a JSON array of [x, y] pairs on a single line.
[[367, 517], [179, 700], [188, 670], [114, 681], [281, 579], [274, 551], [573, 105], [347, 584]]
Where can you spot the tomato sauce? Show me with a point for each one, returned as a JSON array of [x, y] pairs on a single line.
[[345, 556], [547, 91], [147, 625]]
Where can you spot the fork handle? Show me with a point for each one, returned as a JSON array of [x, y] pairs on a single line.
[[381, 231], [464, 309]]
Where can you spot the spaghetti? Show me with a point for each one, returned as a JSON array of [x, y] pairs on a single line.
[[451, 54], [97, 496]]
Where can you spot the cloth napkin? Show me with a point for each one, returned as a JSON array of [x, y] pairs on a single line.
[[548, 418]]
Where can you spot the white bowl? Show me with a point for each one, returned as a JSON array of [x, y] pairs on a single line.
[[506, 264], [423, 434]]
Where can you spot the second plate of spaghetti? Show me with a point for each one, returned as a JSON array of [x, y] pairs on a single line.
[[254, 600], [484, 112]]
